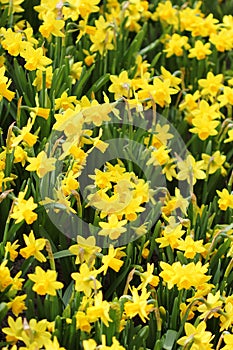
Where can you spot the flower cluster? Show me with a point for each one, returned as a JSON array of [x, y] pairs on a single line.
[[116, 175]]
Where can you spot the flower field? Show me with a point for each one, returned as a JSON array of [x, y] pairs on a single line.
[[116, 175]]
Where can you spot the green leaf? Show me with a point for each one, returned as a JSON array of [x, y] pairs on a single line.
[[3, 310], [175, 313], [78, 90], [135, 46], [155, 59], [170, 339], [62, 254], [158, 345], [98, 84], [67, 295], [118, 280], [214, 261], [149, 48]]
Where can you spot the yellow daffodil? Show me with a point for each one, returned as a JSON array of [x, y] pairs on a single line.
[[82, 322], [17, 305], [4, 85], [200, 50], [15, 329], [171, 236], [13, 42], [25, 135], [191, 247], [184, 276], [33, 247], [226, 318], [11, 249], [45, 282], [23, 209], [225, 199], [85, 280], [103, 36], [85, 250], [35, 58], [121, 85], [214, 162], [51, 26], [112, 260], [41, 164], [6, 278], [228, 340], [166, 13], [191, 170], [113, 228], [197, 336], [222, 40], [37, 82], [227, 96], [100, 310], [138, 305], [211, 306], [211, 85], [176, 44], [65, 101], [230, 136], [148, 277]]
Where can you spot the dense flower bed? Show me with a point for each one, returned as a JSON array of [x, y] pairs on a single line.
[[116, 174]]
